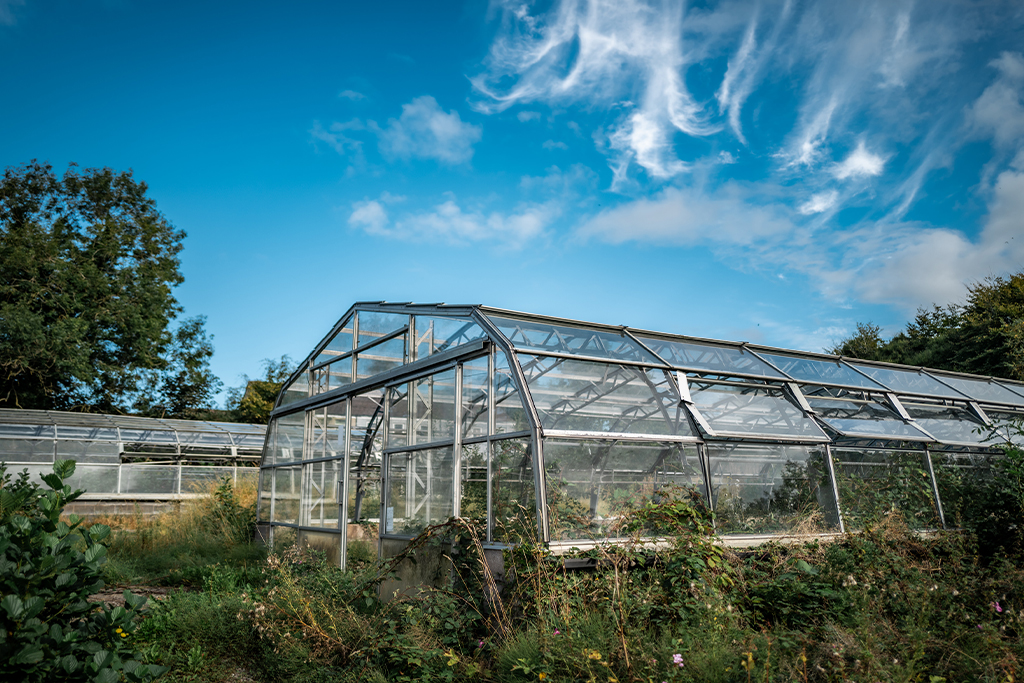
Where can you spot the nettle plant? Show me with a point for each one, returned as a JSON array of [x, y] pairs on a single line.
[[49, 631]]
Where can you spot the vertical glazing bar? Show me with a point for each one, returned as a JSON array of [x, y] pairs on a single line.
[[119, 466], [490, 432], [343, 500], [705, 466], [935, 486], [355, 343], [540, 484], [834, 483], [457, 447]]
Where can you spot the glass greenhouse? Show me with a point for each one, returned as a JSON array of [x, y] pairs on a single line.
[[121, 458], [406, 415]]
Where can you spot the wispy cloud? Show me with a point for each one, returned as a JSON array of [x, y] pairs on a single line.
[[426, 131], [859, 163], [7, 8], [999, 112], [352, 95]]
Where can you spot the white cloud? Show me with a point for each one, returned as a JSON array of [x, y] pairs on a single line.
[[552, 144], [425, 131], [819, 203], [351, 95], [449, 222], [999, 111], [860, 163], [525, 116], [336, 135]]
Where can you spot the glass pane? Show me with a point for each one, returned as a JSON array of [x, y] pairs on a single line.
[[509, 413], [148, 436], [320, 506], [89, 433], [374, 325], [266, 494], [380, 358], [26, 450], [909, 381], [327, 432], [959, 477], [602, 397], [751, 410], [149, 479], [723, 360], [949, 424], [983, 391], [339, 374], [366, 440], [473, 476], [88, 451], [340, 344], [27, 430], [513, 496], [537, 336], [434, 335], [326, 543], [1009, 427], [202, 479], [818, 371], [766, 488], [594, 486], [94, 478], [297, 390], [287, 486], [433, 408], [283, 537], [286, 439], [873, 484], [420, 490], [474, 398], [864, 418]]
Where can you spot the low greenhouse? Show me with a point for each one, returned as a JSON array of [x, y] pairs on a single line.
[[407, 415]]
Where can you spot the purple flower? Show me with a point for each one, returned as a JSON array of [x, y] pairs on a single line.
[[677, 659], [979, 627], [557, 632], [997, 607], [480, 644]]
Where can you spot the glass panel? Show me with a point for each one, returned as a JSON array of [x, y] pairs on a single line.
[[870, 419], [202, 479], [366, 441], [513, 496], [959, 476], [38, 431], [374, 325], [266, 493], [723, 360], [949, 424], [909, 381], [283, 537], [420, 490], [433, 408], [398, 416], [287, 486], [818, 371], [320, 504], [94, 478], [537, 336], [247, 475], [1009, 427], [154, 436], [297, 390], [326, 433], [340, 344], [90, 433], [873, 484], [509, 413], [473, 476], [286, 443], [593, 486], [149, 479], [90, 451], [983, 391], [434, 335], [751, 410], [339, 374], [474, 398], [770, 488], [26, 450], [601, 397], [328, 544], [380, 358]]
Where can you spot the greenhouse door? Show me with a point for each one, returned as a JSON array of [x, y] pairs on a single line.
[[323, 477]]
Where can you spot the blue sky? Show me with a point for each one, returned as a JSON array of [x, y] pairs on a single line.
[[762, 171]]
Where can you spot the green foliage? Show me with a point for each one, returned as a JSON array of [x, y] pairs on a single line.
[[87, 264], [186, 386], [253, 401], [48, 569], [983, 336]]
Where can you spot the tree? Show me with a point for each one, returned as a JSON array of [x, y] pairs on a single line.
[[253, 401], [87, 267], [186, 386]]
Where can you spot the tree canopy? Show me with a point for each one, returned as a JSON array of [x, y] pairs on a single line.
[[87, 270], [253, 401], [983, 336]]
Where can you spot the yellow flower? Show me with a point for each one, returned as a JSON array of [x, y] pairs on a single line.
[[542, 675], [594, 654], [118, 631]]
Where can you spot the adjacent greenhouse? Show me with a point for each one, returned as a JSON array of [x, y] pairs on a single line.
[[407, 415]]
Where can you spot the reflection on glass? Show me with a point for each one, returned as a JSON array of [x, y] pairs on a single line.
[[595, 487], [771, 488], [820, 371], [298, 390], [419, 490], [149, 479], [875, 483], [380, 358], [287, 486], [435, 334], [373, 325], [579, 341], [601, 397], [722, 360], [328, 544], [339, 373], [474, 398], [473, 479], [286, 437], [1008, 428], [949, 424], [320, 507], [266, 493], [340, 344], [398, 416], [509, 413], [864, 418], [432, 407], [960, 477], [984, 391], [514, 498], [751, 410], [909, 381], [366, 441]]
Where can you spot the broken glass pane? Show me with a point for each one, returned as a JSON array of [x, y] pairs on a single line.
[[297, 390]]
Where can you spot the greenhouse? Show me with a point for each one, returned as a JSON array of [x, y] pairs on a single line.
[[406, 415], [125, 462]]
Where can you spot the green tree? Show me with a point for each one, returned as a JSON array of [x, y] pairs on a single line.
[[253, 401], [87, 267], [186, 386]]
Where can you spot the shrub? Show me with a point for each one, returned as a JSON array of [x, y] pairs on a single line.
[[48, 569]]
